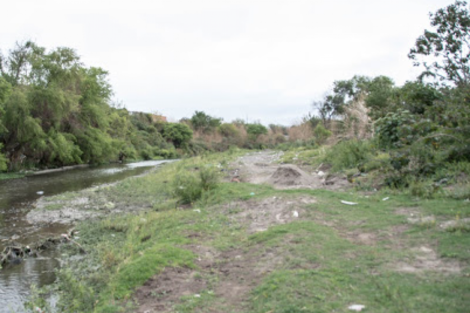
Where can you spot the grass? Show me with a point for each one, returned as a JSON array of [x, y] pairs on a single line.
[[323, 266]]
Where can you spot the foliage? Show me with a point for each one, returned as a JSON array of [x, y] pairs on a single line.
[[228, 130], [379, 93], [394, 129], [418, 97], [447, 47], [255, 130], [54, 111], [348, 154], [190, 184], [179, 134], [3, 160], [200, 121]]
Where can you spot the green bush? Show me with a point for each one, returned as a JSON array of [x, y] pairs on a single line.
[[190, 184], [348, 154], [379, 162], [179, 134], [209, 176], [321, 134], [187, 187], [394, 128]]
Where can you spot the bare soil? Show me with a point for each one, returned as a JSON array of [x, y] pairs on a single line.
[[264, 168]]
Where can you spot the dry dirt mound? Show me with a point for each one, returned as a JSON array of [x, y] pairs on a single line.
[[290, 175]]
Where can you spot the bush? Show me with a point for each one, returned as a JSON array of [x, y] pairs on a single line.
[[179, 134], [189, 185], [392, 129], [348, 154], [321, 134]]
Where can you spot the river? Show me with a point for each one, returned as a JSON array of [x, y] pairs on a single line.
[[16, 199]]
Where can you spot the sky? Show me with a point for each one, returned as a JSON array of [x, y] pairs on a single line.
[[258, 60]]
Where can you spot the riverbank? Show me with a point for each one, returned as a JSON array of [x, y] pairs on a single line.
[[243, 233], [25, 173]]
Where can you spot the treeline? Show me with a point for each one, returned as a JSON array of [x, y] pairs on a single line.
[[414, 136], [54, 111]]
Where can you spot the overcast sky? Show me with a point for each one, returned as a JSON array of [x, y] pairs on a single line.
[[261, 60]]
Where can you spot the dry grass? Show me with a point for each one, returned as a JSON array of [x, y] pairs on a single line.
[[356, 122], [302, 132]]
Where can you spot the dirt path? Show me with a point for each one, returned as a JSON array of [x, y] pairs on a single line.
[[236, 272], [264, 168]]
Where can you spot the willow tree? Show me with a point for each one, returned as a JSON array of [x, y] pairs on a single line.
[[57, 110]]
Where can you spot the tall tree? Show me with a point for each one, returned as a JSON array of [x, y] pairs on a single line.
[[444, 51]]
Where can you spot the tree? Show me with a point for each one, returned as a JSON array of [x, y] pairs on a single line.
[[179, 134], [445, 51], [203, 122], [255, 130], [378, 92]]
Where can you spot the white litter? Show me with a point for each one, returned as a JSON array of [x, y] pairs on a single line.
[[295, 214], [321, 173], [40, 193], [197, 210], [197, 296], [357, 307], [385, 199], [348, 202]]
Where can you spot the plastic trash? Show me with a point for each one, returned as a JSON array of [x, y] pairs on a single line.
[[197, 296], [197, 210], [348, 202], [357, 307], [295, 214], [321, 173], [385, 199], [252, 193], [40, 193]]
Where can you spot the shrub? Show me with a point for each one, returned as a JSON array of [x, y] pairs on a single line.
[[321, 134], [393, 128], [189, 185], [348, 154], [254, 130], [381, 161], [179, 134]]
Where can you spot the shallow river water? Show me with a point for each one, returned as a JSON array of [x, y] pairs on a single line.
[[16, 199]]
